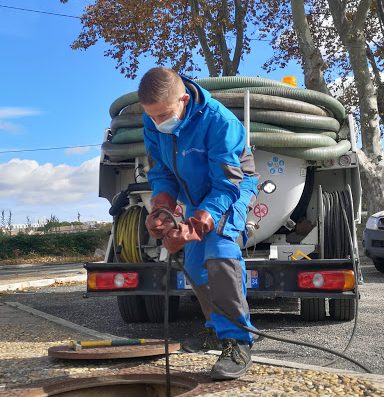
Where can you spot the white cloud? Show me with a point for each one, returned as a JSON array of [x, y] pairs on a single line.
[[33, 190], [78, 150], [27, 182], [15, 112], [10, 127]]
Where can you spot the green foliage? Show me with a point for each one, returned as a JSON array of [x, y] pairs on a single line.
[[70, 244]]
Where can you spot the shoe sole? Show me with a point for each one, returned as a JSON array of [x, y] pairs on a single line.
[[230, 375], [187, 349]]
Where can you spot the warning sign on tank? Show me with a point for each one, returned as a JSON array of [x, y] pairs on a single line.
[[260, 210]]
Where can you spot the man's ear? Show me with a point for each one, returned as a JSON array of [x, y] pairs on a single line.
[[186, 97]]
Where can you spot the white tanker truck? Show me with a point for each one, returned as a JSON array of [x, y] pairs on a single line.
[[301, 229]]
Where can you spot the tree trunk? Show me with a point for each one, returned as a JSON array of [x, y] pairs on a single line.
[[351, 31], [370, 158], [372, 181], [379, 83], [369, 113], [313, 63]]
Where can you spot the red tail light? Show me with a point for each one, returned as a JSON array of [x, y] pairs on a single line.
[[112, 280], [327, 280]]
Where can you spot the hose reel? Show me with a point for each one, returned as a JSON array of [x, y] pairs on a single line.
[[336, 236], [130, 233]]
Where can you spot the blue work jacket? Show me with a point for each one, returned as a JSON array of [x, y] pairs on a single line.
[[205, 163]]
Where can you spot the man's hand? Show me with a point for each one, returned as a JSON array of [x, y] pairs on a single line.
[[193, 229], [159, 223]]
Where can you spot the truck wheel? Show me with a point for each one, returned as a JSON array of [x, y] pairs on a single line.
[[379, 264], [154, 305], [132, 308], [342, 309], [313, 309]]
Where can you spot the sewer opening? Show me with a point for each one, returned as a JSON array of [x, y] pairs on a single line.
[[118, 386]]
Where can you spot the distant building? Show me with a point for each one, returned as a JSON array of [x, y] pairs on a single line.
[[33, 228]]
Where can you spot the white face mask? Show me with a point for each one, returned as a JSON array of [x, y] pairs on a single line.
[[169, 125]]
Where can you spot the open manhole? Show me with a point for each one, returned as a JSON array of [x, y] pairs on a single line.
[[139, 385]]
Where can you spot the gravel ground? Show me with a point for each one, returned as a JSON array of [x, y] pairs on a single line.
[[368, 345], [23, 357]]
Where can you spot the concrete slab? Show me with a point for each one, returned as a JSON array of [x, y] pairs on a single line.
[[21, 277]]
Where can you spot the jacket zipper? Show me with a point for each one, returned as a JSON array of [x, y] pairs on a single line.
[[185, 187]]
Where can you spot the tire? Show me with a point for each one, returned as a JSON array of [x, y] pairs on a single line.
[[379, 264], [313, 309], [132, 308], [342, 309], [154, 305]]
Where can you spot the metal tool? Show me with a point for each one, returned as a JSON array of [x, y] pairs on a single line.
[[80, 344]]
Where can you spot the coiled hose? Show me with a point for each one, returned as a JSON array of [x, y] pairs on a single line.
[[284, 119], [127, 235]]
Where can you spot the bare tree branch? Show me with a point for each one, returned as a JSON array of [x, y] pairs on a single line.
[[338, 11], [361, 15], [203, 40], [379, 83], [313, 63], [220, 33], [239, 26]]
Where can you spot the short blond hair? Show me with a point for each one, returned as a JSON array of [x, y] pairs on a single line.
[[160, 85]]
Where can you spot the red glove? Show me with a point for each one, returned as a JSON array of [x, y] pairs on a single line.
[[159, 223], [193, 229]]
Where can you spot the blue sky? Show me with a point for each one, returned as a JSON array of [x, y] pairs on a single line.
[[53, 96]]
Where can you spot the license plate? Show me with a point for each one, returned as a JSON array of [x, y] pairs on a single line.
[[182, 282], [252, 279]]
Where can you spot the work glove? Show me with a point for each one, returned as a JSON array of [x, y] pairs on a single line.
[[157, 222], [193, 229]]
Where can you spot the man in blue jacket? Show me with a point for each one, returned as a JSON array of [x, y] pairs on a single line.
[[198, 155]]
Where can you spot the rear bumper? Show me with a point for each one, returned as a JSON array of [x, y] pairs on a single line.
[[266, 278]]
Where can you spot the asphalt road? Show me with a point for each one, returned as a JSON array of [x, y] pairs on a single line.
[[278, 318], [56, 270]]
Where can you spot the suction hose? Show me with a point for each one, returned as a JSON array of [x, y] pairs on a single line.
[[284, 119], [174, 259]]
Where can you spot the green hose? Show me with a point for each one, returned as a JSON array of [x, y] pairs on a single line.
[[285, 120], [301, 94], [228, 82]]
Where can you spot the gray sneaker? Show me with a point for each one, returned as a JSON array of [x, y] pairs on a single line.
[[207, 340], [235, 359]]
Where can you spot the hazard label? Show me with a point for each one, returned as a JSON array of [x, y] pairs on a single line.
[[260, 210]]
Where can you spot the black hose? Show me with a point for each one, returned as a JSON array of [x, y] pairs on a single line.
[[252, 330], [269, 336], [166, 332], [166, 311], [343, 206]]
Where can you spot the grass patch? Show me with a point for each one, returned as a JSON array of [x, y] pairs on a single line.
[[53, 248]]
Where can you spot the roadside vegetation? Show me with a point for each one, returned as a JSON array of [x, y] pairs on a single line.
[[53, 247]]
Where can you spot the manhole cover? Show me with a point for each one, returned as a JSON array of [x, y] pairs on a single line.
[[152, 347]]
